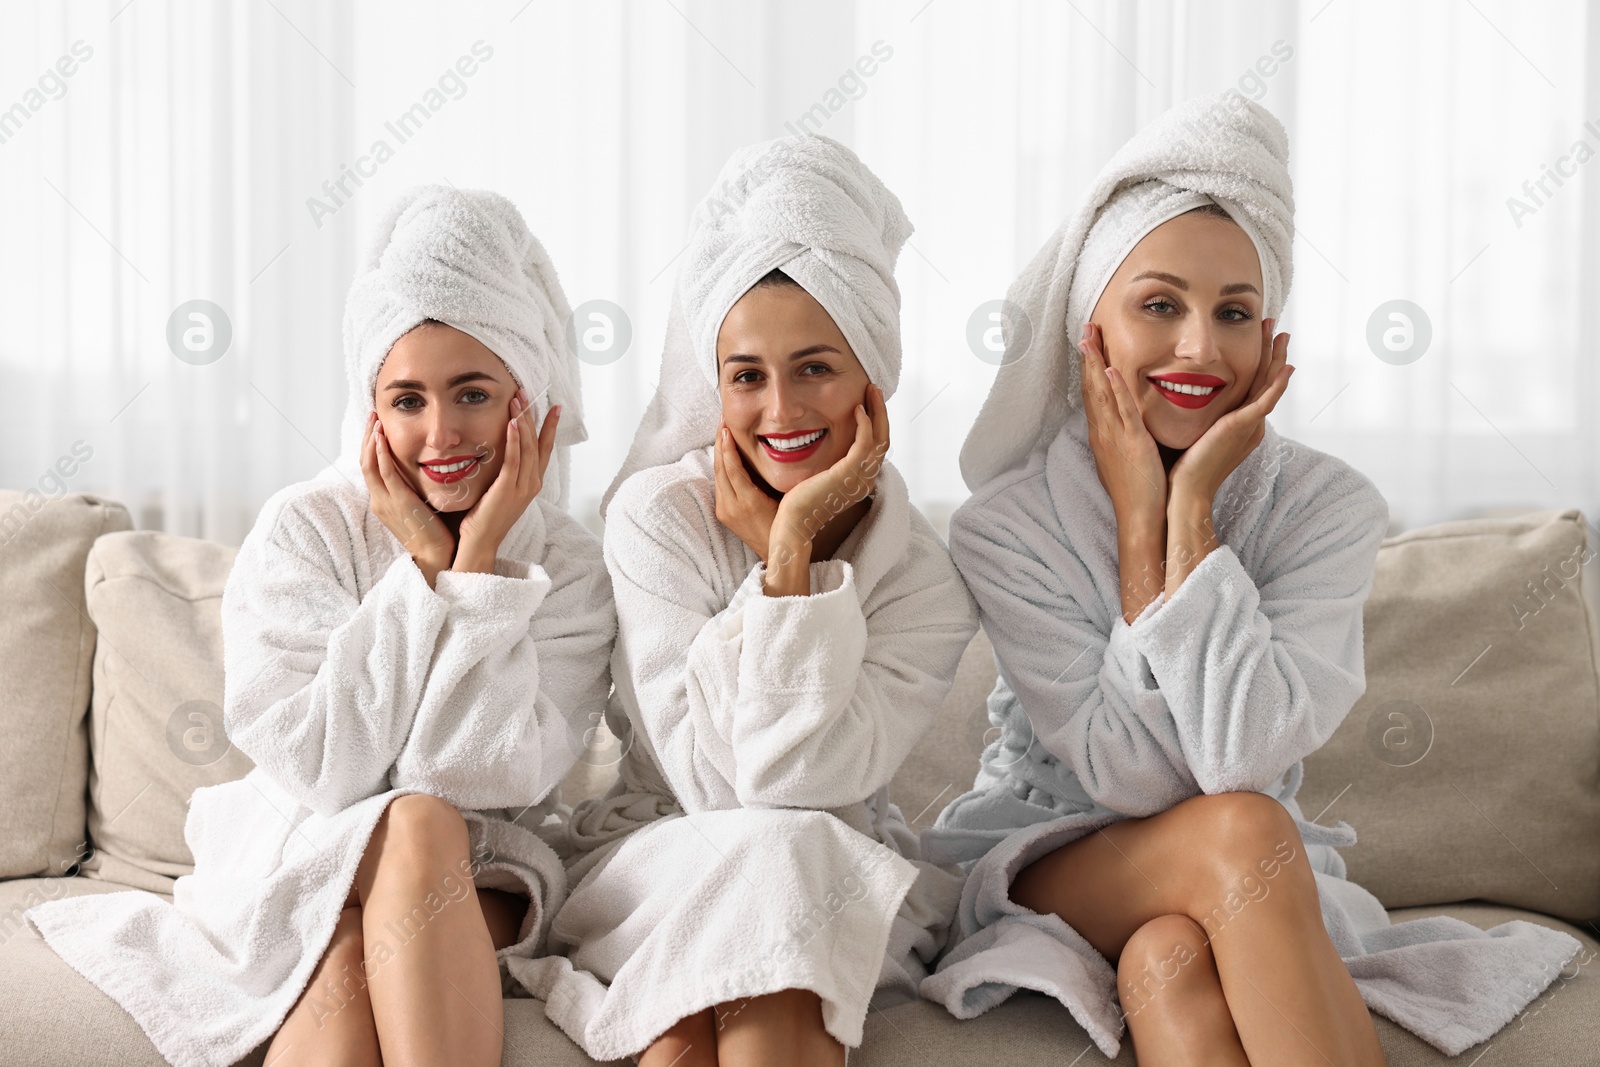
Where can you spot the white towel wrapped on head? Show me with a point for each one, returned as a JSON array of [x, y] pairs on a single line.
[[466, 258], [807, 205], [1214, 149]]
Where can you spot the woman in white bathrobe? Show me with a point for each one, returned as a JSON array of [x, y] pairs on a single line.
[[1174, 594], [788, 625], [414, 641]]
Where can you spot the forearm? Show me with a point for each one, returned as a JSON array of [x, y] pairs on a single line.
[[1191, 537], [1139, 561]]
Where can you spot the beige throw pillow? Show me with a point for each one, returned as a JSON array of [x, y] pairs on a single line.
[[46, 647], [156, 717], [1469, 767]]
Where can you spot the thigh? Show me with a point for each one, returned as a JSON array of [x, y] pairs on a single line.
[[1109, 883], [503, 913]]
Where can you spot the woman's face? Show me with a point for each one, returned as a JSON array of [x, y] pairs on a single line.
[[444, 400], [789, 384], [1185, 307]]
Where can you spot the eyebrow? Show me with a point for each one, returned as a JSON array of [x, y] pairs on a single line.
[[742, 357], [469, 376], [1173, 279]]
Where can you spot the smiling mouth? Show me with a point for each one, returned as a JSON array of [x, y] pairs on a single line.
[[1188, 390], [452, 470], [792, 447]]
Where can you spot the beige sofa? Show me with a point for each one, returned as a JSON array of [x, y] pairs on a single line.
[[1469, 768]]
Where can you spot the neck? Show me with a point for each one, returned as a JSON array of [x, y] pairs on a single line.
[[831, 536]]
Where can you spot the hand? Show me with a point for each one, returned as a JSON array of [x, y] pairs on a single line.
[[742, 506], [1206, 464], [521, 477], [815, 502], [416, 525], [1125, 454]]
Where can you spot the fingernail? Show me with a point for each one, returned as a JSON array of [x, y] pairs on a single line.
[[1085, 335]]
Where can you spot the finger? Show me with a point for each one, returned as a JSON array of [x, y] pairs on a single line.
[[1264, 367], [369, 457], [1126, 408], [724, 489], [880, 422], [1262, 406], [511, 469], [1105, 409], [528, 461], [547, 439]]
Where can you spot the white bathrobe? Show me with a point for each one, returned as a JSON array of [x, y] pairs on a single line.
[[751, 845], [349, 682], [1249, 668]]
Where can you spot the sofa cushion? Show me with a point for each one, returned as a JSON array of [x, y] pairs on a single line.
[[50, 1015], [46, 647], [1561, 1026], [156, 721], [1468, 768]]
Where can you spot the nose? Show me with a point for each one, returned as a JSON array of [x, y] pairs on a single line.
[[1198, 342], [783, 404], [442, 433]]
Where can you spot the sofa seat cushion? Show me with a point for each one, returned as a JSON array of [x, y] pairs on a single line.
[[49, 1015], [1030, 1030]]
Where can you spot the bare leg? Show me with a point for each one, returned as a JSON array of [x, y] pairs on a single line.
[[1234, 864], [1172, 997], [332, 1022], [777, 1030], [432, 977], [692, 1042]]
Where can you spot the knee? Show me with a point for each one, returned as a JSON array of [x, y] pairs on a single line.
[[427, 829], [1241, 834], [1165, 959]]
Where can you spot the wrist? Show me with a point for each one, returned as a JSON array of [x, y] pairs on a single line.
[[472, 558], [788, 570]]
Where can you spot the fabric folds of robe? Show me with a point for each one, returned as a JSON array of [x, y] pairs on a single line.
[[1227, 686], [751, 845], [349, 682]]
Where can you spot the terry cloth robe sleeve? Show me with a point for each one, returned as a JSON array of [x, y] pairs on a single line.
[[798, 702], [1259, 676], [323, 691], [1088, 696]]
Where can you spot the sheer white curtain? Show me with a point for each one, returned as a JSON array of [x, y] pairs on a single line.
[[212, 152]]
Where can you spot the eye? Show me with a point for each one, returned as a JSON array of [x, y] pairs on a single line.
[[1160, 305], [746, 377], [1241, 314], [401, 402], [479, 393], [821, 368]]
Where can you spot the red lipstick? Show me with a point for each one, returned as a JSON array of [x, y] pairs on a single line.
[[1188, 400], [791, 455], [446, 477]]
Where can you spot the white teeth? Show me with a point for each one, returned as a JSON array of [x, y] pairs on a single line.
[[1193, 390], [450, 468], [794, 443]]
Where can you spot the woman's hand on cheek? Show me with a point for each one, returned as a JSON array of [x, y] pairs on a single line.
[[1125, 454], [815, 502], [406, 515], [742, 506], [520, 478], [1206, 464]]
